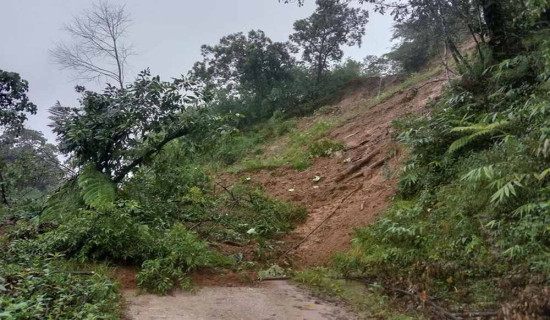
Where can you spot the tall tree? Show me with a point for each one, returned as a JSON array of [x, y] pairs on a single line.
[[322, 35], [14, 103], [119, 130], [97, 47], [29, 166], [250, 63]]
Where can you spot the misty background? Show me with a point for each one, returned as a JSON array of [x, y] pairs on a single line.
[[166, 35]]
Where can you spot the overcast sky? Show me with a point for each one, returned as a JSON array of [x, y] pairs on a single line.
[[167, 35]]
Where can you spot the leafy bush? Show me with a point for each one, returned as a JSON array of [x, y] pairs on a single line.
[[257, 215], [473, 207], [324, 148], [42, 290], [180, 252], [232, 148]]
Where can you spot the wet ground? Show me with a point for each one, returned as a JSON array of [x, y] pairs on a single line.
[[269, 300]]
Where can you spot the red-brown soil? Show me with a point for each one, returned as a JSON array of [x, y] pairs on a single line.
[[352, 202]]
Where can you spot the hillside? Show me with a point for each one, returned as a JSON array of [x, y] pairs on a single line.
[[278, 180], [339, 203], [336, 205]]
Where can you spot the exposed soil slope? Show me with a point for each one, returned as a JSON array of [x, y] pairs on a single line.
[[337, 204]]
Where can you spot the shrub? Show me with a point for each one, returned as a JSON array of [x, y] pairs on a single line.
[[179, 252], [472, 208], [324, 148], [42, 290]]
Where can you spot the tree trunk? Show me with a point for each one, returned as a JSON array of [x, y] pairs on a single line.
[[478, 45], [3, 191], [495, 20]]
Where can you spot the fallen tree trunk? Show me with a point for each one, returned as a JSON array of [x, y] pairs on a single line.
[[373, 166], [363, 162]]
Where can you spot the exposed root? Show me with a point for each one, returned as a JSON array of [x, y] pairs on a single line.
[[363, 162]]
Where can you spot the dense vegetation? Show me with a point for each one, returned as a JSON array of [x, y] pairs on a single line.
[[142, 186], [139, 186], [470, 222]]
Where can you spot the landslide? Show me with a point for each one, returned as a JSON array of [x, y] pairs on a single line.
[[356, 184]]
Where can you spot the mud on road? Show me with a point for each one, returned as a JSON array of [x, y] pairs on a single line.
[[271, 300]]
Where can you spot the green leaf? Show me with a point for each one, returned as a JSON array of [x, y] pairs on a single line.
[[477, 130], [64, 201], [96, 188]]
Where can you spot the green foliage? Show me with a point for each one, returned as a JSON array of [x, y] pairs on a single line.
[[14, 103], [253, 215], [147, 221], [302, 147], [44, 290], [321, 36], [476, 130], [182, 252], [29, 168], [96, 189], [121, 129], [63, 202], [241, 63], [472, 211], [234, 147], [324, 148]]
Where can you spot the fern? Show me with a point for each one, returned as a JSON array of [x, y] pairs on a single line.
[[506, 189], [531, 208], [476, 130], [96, 188], [479, 174], [64, 201]]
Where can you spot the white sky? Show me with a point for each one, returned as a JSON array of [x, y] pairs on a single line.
[[167, 35]]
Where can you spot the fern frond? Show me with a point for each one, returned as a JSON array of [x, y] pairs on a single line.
[[460, 143], [96, 188], [506, 191], [63, 202], [477, 130], [486, 172], [530, 208]]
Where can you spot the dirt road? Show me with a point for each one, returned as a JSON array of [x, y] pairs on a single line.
[[269, 301]]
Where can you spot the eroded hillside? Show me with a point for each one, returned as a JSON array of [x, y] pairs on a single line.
[[348, 189]]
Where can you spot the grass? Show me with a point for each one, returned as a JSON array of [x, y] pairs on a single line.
[[369, 302], [303, 146], [406, 84]]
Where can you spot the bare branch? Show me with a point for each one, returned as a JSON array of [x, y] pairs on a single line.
[[97, 48]]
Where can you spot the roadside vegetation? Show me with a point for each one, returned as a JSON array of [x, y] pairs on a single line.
[[467, 233], [147, 179]]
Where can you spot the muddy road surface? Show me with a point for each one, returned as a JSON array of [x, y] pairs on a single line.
[[270, 300]]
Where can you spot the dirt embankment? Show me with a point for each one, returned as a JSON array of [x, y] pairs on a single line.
[[352, 190]]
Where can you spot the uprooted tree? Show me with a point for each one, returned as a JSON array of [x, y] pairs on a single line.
[[120, 129]]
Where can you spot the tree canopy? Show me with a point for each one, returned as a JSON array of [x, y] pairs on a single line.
[[322, 35], [251, 63], [119, 129], [28, 166], [14, 103]]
